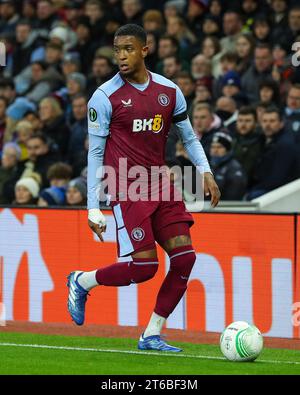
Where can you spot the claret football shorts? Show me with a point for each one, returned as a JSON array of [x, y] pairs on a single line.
[[139, 224]]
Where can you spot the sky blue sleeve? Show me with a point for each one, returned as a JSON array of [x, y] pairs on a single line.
[[99, 114], [94, 169], [193, 146], [180, 106]]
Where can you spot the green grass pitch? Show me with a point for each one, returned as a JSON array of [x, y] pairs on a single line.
[[24, 353]]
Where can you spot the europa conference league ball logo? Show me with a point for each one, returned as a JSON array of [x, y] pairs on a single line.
[[92, 114]]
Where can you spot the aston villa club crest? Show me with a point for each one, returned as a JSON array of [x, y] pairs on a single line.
[[163, 99], [138, 234]]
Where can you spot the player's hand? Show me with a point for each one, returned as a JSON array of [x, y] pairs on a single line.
[[97, 222], [212, 189]]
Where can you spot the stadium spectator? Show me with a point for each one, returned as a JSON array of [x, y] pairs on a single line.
[[195, 14], [27, 191], [85, 47], [41, 155], [54, 126], [244, 49], [29, 10], [52, 196], [53, 55], [206, 124], [37, 81], [153, 21], [46, 16], [171, 66], [64, 36], [176, 27], [292, 111], [247, 143], [251, 9], [132, 11], [78, 131], [33, 117], [232, 26], [3, 107], [259, 71], [202, 94], [211, 26], [201, 70], [279, 14], [8, 169], [211, 49], [152, 56], [226, 109], [27, 40], [102, 70], [216, 8], [73, 11], [271, 171], [70, 64], [228, 173], [59, 175], [290, 33], [9, 16], [167, 46], [262, 29], [269, 92], [7, 89], [94, 10], [77, 192], [228, 62], [24, 131], [231, 87], [15, 112], [187, 84]]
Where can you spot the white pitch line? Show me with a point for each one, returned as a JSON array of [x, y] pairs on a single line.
[[160, 354]]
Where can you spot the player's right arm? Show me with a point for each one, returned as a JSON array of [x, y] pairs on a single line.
[[99, 115]]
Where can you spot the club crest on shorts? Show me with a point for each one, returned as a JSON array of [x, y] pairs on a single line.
[[137, 234], [163, 99]]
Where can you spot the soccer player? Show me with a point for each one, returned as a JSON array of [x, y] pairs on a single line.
[[129, 117]]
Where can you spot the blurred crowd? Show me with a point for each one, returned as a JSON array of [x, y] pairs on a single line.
[[237, 63]]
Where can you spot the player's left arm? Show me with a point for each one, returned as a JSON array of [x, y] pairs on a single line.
[[194, 148]]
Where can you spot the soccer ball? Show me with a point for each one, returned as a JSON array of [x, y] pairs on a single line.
[[241, 341]]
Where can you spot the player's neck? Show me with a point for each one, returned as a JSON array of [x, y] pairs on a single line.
[[140, 77]]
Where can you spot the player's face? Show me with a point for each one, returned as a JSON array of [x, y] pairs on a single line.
[[129, 54]]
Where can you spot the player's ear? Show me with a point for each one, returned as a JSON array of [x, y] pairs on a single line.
[[145, 50]]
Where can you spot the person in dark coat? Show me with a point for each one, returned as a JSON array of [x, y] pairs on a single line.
[[292, 111], [278, 163], [76, 147], [228, 172], [248, 142], [27, 40], [54, 125], [259, 71], [41, 155], [8, 168]]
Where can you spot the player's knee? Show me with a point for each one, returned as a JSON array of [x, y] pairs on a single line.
[[183, 264], [144, 272]]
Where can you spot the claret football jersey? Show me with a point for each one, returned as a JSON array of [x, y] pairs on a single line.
[[135, 121]]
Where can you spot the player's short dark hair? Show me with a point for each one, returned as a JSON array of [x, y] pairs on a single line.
[[248, 110], [131, 29]]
